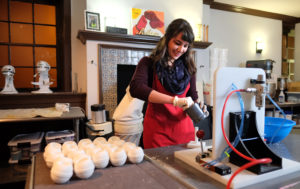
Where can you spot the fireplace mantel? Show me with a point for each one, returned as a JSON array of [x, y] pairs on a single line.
[[84, 35]]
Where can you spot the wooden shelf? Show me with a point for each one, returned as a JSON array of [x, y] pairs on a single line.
[[40, 100], [84, 35]]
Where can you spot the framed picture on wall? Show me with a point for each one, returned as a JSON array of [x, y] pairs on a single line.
[[92, 21], [147, 22]]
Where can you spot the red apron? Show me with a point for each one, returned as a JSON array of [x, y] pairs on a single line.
[[165, 124]]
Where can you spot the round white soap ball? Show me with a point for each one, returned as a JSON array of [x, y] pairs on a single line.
[[83, 142], [128, 145], [62, 170], [111, 148], [69, 146], [53, 145], [112, 139], [88, 147], [84, 168], [100, 158], [118, 157], [80, 156], [99, 140], [72, 154], [136, 155], [52, 157], [119, 143]]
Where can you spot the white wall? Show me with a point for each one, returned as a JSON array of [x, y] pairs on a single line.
[[121, 10], [297, 52], [239, 32], [77, 48]]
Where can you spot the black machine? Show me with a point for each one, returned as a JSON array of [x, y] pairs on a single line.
[[266, 65]]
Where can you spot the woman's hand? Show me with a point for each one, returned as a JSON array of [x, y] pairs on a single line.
[[183, 103], [204, 108]]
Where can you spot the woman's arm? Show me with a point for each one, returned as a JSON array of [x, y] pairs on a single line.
[[139, 84], [157, 97], [193, 90]]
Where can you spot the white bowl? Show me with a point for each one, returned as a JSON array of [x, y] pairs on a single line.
[[118, 157], [136, 155], [62, 170], [100, 158], [84, 168]]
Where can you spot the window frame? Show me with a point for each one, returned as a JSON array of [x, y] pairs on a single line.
[[63, 44]]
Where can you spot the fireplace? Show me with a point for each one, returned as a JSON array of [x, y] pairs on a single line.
[[117, 65], [124, 75]]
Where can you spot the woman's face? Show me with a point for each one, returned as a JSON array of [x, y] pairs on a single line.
[[177, 47]]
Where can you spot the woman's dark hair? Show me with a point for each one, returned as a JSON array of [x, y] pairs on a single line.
[[160, 53]]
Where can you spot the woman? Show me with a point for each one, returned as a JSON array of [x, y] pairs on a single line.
[[167, 80]]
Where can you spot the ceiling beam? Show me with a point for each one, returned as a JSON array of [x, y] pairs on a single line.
[[287, 20]]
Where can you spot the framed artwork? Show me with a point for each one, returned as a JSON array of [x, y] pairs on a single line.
[[147, 22], [92, 21]]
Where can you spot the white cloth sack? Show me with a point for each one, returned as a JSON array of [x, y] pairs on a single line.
[[128, 115]]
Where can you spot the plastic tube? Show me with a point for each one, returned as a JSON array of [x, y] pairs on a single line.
[[284, 115], [252, 161], [227, 150]]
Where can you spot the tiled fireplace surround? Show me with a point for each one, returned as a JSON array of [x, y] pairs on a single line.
[[110, 56]]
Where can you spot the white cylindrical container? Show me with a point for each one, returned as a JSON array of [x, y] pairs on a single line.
[[98, 113]]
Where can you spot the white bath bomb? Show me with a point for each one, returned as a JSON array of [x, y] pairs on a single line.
[[79, 156], [62, 170], [84, 168], [99, 140], [84, 142], [119, 143], [136, 155], [100, 158], [118, 157], [51, 157], [53, 145], [127, 146], [112, 139], [69, 146]]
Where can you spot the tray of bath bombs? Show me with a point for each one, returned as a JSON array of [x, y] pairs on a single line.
[[84, 157]]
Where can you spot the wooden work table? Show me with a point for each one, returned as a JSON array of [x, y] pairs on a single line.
[[160, 170]]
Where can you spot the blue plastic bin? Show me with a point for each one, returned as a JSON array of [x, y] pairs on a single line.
[[276, 129]]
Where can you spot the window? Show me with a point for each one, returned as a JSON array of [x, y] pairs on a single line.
[[36, 30]]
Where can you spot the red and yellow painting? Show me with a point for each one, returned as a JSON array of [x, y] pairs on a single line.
[[147, 22]]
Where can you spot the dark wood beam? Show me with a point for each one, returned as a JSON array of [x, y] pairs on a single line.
[[286, 20]]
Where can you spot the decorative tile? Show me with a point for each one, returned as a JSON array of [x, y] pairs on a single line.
[[110, 58]]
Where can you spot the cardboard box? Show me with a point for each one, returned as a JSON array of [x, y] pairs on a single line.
[[294, 86]]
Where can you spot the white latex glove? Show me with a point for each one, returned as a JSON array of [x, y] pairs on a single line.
[[184, 103], [204, 108]]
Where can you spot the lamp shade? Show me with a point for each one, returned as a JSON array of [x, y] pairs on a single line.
[[259, 46]]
